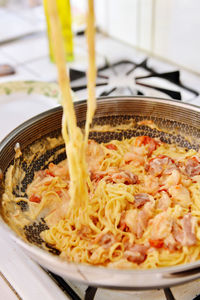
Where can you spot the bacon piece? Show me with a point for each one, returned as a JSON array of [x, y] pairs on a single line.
[[180, 195], [135, 158], [146, 140], [151, 184], [136, 155], [105, 240], [161, 164], [60, 170], [170, 243], [115, 176], [111, 147], [140, 199], [97, 176], [84, 232], [58, 212], [35, 199], [161, 226], [136, 254], [94, 155], [169, 180], [41, 174], [126, 177], [137, 220], [185, 234], [192, 166], [164, 202]]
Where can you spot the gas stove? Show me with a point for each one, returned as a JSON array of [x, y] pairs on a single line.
[[77, 291], [129, 78]]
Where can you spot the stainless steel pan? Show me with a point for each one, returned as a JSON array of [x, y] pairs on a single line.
[[180, 123]]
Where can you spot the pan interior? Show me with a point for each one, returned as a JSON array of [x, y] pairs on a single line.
[[41, 142]]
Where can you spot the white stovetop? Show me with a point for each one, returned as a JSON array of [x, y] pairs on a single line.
[[20, 277]]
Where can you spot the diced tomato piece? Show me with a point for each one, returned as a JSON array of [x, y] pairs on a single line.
[[143, 140], [111, 147], [97, 176], [156, 243], [59, 193], [194, 159], [49, 173], [35, 199]]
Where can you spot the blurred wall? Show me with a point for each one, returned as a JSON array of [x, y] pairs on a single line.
[[169, 29]]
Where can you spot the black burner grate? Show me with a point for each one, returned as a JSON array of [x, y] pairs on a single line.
[[91, 291], [124, 74]]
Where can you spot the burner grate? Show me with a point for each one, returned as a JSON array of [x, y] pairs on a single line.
[[90, 292], [129, 78]]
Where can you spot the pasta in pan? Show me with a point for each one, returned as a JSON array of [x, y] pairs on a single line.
[[143, 205]]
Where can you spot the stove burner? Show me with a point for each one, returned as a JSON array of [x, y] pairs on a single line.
[[128, 78], [91, 291], [64, 286], [168, 294]]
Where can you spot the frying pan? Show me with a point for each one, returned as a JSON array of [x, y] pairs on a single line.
[[177, 122]]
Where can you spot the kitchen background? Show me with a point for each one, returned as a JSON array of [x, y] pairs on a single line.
[[166, 31], [169, 29]]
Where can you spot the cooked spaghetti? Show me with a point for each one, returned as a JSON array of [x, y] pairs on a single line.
[[143, 205]]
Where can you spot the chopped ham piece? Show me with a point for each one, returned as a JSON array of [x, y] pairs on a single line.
[[161, 226], [180, 195], [60, 170], [140, 199], [185, 234], [58, 212], [97, 176], [136, 254], [151, 184], [136, 155], [170, 242], [134, 158], [126, 177], [137, 220], [105, 240], [169, 180], [146, 140], [161, 164], [94, 155], [84, 232], [164, 202], [192, 167], [115, 176]]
